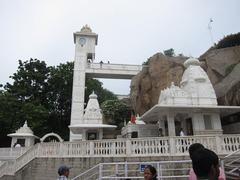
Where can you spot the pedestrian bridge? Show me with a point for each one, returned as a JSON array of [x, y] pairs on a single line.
[[112, 71]]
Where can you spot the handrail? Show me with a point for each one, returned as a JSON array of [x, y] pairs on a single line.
[[225, 157], [82, 174], [235, 152], [115, 167]]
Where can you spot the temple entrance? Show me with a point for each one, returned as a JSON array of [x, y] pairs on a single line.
[[51, 137], [21, 142], [91, 136], [183, 121], [189, 126], [177, 127]]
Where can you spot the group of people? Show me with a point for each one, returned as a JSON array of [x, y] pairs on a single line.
[[205, 166]]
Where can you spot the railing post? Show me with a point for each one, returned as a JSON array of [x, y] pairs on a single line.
[[218, 145], [222, 165], [128, 147], [113, 148], [61, 150], [126, 169], [159, 170], [100, 171], [91, 146], [172, 145], [116, 170], [38, 152]]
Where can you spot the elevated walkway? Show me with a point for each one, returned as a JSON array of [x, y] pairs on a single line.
[[112, 71]]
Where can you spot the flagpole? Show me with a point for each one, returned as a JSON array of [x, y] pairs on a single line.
[[210, 29]]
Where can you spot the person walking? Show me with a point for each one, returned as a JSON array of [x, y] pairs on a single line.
[[150, 173], [63, 172], [205, 164], [194, 148]]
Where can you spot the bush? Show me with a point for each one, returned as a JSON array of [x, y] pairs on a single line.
[[229, 41]]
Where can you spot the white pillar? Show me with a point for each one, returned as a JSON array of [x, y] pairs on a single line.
[[162, 126], [100, 133], [216, 122], [84, 134], [78, 91], [198, 123], [171, 124]]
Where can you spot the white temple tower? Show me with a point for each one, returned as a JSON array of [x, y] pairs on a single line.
[[192, 106], [85, 42], [91, 126]]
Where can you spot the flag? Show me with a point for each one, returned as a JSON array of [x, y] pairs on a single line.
[[133, 119]]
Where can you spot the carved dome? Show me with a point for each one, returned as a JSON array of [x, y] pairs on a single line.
[[195, 89], [93, 96], [93, 114], [192, 61], [86, 28], [25, 129]]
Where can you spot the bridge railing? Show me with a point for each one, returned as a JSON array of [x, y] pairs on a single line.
[[107, 66]]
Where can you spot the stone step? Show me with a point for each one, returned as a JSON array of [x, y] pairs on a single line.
[[46, 168]]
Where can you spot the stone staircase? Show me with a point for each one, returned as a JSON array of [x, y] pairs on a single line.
[[134, 170], [81, 156], [46, 168]]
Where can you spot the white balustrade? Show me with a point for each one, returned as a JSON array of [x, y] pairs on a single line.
[[230, 143], [12, 153], [152, 146]]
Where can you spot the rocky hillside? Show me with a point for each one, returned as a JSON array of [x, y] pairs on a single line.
[[222, 66]]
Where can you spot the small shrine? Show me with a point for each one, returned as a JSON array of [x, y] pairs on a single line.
[[191, 107], [23, 137], [92, 126], [139, 129]]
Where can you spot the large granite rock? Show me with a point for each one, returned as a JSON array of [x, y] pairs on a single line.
[[146, 86], [223, 69], [221, 65]]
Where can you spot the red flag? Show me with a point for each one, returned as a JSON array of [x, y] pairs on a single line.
[[133, 119]]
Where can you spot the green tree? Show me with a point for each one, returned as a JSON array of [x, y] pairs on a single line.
[[59, 96], [25, 98], [115, 112], [30, 81], [96, 86], [42, 95], [169, 52]]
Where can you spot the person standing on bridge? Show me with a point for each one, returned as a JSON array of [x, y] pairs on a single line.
[[101, 62]]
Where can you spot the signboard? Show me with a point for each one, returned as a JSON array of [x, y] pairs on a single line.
[[143, 166]]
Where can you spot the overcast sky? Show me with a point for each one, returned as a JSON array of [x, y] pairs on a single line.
[[129, 31]]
